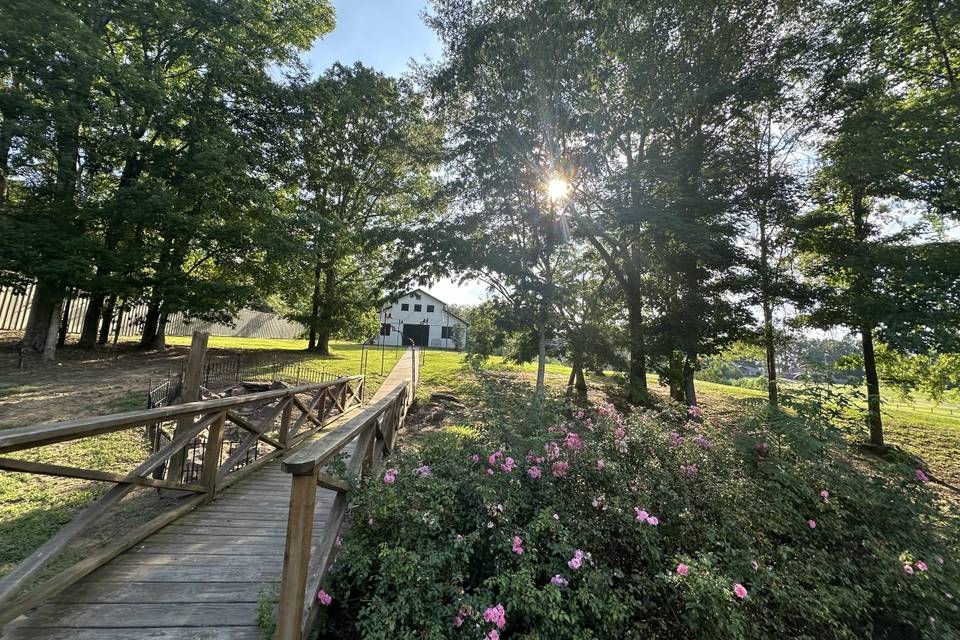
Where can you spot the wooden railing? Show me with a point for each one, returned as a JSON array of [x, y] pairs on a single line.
[[280, 418], [374, 432]]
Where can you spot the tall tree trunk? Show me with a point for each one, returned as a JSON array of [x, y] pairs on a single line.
[[637, 382], [675, 376], [874, 421], [91, 322], [689, 385], [64, 323], [45, 297], [862, 233], [541, 353], [151, 324], [160, 339], [132, 169], [116, 331], [106, 315], [315, 307], [771, 351], [580, 383], [325, 329], [766, 295], [53, 327]]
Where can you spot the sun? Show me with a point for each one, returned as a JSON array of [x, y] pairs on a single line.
[[557, 189]]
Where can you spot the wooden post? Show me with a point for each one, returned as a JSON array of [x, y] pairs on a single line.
[[285, 423], [296, 556], [190, 393], [211, 455]]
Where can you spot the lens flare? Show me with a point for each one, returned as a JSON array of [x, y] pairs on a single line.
[[557, 189]]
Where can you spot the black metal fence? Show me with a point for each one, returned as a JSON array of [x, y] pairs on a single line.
[[223, 373], [220, 374]]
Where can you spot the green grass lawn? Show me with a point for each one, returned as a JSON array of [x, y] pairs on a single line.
[[918, 425], [442, 370]]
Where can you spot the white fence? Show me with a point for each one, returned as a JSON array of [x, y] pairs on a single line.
[[15, 308]]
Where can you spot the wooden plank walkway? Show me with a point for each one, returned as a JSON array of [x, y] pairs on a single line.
[[198, 578]]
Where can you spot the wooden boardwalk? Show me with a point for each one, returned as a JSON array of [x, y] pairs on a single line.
[[199, 577]]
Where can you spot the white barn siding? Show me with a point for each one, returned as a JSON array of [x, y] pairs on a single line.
[[422, 316]]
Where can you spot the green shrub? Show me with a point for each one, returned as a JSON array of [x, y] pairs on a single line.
[[593, 548], [758, 383]]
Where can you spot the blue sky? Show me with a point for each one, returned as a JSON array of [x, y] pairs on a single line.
[[385, 35]]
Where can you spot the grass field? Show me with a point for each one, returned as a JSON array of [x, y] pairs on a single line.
[[919, 426]]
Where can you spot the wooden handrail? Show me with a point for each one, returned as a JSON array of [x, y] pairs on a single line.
[[52, 432], [375, 425], [214, 473], [319, 452]]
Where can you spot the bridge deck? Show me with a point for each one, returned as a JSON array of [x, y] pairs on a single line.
[[198, 578]]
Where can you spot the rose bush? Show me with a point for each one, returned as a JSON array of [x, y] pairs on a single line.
[[563, 523]]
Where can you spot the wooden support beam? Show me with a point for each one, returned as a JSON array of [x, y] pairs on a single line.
[[328, 481], [246, 425], [338, 511], [317, 453], [296, 556], [24, 466], [190, 393], [211, 454], [285, 421]]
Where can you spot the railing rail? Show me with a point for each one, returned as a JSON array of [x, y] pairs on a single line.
[[375, 430], [280, 418]]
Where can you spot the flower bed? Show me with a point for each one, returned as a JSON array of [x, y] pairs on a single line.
[[589, 524]]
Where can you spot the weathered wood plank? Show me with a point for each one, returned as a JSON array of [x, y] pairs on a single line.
[[198, 559], [91, 591], [271, 528], [193, 574], [222, 540], [94, 616], [203, 548]]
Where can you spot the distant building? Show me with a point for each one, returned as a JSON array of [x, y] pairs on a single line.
[[421, 319]]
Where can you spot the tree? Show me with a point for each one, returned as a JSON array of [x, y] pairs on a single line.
[[366, 150], [769, 137], [501, 92], [883, 278], [590, 317], [107, 105]]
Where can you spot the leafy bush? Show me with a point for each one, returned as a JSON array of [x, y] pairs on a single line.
[[758, 383], [593, 525]]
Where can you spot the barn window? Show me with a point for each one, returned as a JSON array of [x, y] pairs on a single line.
[[446, 332], [429, 308], [385, 329], [417, 307], [404, 307]]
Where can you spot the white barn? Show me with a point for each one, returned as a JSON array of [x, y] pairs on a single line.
[[419, 318]]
